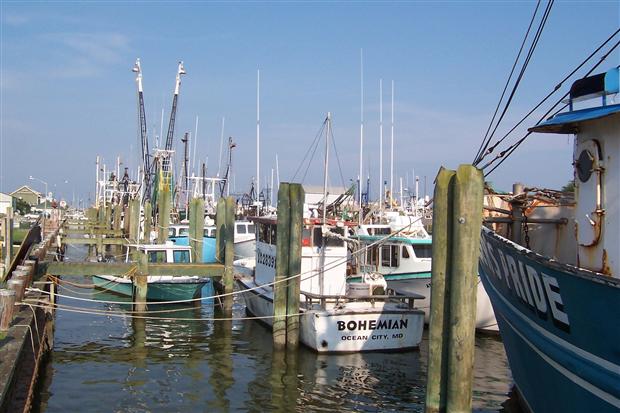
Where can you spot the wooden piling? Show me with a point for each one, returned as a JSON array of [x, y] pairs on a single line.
[[116, 226], [229, 256], [134, 221], [196, 228], [466, 224], [18, 286], [140, 284], [296, 197], [146, 239], [163, 213], [439, 317], [282, 259], [220, 230], [517, 214], [7, 305]]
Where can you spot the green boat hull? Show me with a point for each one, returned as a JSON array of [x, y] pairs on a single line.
[[156, 291]]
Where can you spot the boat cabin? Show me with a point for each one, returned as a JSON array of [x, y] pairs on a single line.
[[163, 253]]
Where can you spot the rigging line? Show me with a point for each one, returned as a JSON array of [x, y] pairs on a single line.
[[312, 157], [314, 142], [483, 145], [337, 157], [522, 72], [556, 88]]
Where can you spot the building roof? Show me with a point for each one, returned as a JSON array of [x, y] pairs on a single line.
[[27, 189]]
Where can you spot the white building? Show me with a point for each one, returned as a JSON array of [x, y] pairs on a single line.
[[6, 201]]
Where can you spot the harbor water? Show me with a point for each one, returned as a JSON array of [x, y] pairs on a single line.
[[105, 361]]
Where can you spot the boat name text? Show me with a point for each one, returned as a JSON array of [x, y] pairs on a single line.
[[372, 325]]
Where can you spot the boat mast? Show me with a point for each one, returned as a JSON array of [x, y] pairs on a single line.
[[146, 167], [257, 134], [326, 168], [173, 114], [392, 151], [381, 146], [361, 172]]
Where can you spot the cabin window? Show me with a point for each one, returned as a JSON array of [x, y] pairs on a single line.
[[330, 241], [274, 231], [181, 256], [241, 229], [306, 237], [251, 229], [389, 255], [208, 232], [372, 255], [183, 232], [263, 233], [171, 232], [157, 256], [382, 231], [405, 251], [423, 250]]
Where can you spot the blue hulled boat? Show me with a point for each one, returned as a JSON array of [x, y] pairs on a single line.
[[557, 300]]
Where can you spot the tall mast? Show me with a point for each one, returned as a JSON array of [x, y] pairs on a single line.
[[219, 164], [326, 167], [173, 114], [392, 151], [257, 134], [146, 167], [192, 164], [381, 145], [185, 141], [360, 217]]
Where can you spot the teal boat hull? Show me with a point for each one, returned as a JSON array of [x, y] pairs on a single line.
[[156, 291]]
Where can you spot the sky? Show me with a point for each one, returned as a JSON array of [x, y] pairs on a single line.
[[68, 93]]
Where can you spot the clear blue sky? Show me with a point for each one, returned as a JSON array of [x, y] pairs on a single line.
[[68, 93]]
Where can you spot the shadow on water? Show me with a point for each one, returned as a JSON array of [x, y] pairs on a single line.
[[185, 361]]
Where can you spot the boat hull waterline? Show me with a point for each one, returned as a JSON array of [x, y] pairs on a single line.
[[160, 288]]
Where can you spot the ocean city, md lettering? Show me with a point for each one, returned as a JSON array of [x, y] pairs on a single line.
[[538, 290]]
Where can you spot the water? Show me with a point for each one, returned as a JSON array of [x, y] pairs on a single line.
[[102, 363]]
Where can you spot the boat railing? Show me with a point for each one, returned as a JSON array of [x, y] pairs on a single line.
[[311, 299]]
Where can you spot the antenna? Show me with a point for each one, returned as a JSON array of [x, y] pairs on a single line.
[[381, 145], [257, 133], [360, 217], [392, 151]]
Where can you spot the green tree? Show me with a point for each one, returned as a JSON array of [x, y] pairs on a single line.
[[22, 206], [569, 187]]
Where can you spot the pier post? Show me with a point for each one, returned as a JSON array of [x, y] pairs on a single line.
[[282, 260], [108, 216], [466, 224], [134, 222], [147, 222], [196, 228], [229, 257], [163, 214], [439, 317], [7, 306], [140, 284], [296, 197], [116, 225], [126, 220]]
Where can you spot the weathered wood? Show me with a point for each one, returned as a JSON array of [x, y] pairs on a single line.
[[140, 283], [148, 212], [163, 213], [439, 315], [134, 221], [467, 220], [229, 256], [18, 286], [282, 257], [296, 196], [105, 268], [196, 225], [7, 305], [94, 241], [220, 225], [93, 231]]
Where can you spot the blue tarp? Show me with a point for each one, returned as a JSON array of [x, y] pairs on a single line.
[[568, 122]]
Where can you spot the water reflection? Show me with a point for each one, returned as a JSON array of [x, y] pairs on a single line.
[[105, 363]]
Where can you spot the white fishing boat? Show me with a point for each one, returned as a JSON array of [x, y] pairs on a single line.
[[335, 316], [160, 287], [401, 251]]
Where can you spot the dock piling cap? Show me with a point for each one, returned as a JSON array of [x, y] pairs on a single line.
[[7, 293]]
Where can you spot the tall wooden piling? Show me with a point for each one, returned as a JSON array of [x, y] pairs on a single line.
[[438, 326], [225, 247], [163, 213], [116, 226], [134, 221], [466, 224], [146, 238], [296, 197], [140, 284], [196, 228], [282, 251], [7, 305]]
